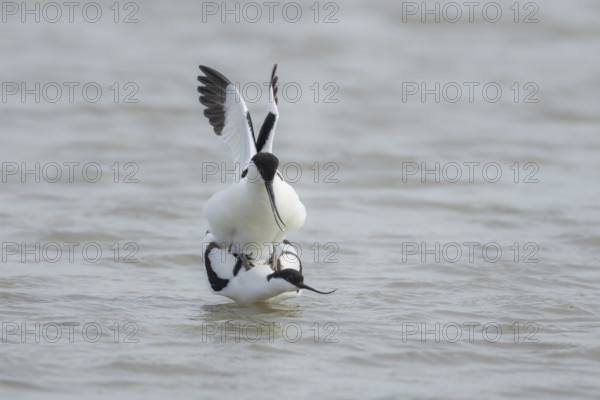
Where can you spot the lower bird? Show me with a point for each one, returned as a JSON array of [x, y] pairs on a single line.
[[231, 276]]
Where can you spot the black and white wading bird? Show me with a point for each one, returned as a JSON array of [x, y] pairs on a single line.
[[248, 220], [229, 277]]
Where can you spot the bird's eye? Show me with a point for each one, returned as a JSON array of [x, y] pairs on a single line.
[[244, 173]]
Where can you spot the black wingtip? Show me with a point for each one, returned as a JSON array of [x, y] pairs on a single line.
[[213, 74], [206, 69], [213, 90]]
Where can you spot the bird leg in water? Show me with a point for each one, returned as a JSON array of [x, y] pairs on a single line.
[[247, 264], [274, 261]]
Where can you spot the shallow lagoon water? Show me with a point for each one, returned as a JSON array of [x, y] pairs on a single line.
[[417, 312]]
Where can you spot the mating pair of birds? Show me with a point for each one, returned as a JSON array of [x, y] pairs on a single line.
[[245, 254]]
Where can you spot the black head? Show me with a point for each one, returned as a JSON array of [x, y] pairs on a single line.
[[295, 278], [267, 165], [290, 275]]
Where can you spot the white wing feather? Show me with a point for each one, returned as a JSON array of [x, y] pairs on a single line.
[[228, 114], [267, 131]]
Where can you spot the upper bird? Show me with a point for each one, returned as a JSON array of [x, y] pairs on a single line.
[[259, 209]]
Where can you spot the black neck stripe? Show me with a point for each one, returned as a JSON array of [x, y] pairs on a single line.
[[265, 131], [238, 266]]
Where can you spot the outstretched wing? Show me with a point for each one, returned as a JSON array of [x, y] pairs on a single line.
[[267, 131], [227, 113]]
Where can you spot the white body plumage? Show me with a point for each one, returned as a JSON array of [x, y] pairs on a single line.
[[241, 218], [227, 276], [244, 256]]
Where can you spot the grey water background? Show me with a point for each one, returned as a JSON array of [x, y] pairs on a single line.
[[409, 319]]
